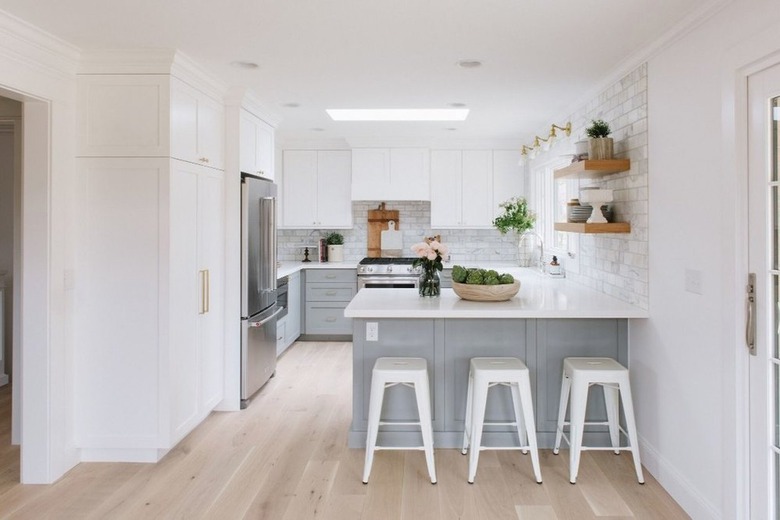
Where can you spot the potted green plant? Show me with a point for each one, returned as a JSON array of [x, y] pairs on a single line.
[[335, 242], [517, 217], [599, 142]]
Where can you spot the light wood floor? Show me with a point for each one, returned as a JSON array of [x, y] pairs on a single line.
[[286, 457]]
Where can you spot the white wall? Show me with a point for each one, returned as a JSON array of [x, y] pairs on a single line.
[[685, 358]]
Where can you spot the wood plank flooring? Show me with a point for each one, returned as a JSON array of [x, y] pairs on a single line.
[[286, 457]]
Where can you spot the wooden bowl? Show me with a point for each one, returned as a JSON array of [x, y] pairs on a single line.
[[486, 293]]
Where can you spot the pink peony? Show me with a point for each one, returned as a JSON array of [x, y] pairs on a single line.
[[432, 255]]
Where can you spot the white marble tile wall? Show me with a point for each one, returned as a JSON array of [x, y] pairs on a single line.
[[466, 245], [617, 263]]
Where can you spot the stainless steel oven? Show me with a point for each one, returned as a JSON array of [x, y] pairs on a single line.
[[387, 282], [387, 273], [281, 296]]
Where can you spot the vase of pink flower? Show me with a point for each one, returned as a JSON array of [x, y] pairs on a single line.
[[429, 259]]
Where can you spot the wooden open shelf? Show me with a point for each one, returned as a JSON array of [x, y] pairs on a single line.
[[609, 227], [593, 169]]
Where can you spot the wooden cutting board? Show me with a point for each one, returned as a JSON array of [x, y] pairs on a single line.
[[377, 222], [392, 241]]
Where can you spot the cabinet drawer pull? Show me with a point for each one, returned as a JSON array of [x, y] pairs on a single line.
[[330, 319], [330, 293], [204, 160], [331, 276]]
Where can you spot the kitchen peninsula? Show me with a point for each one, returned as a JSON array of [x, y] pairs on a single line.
[[548, 320]]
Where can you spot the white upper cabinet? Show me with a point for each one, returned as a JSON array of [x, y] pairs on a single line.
[[391, 174], [197, 126], [123, 115], [507, 177], [149, 116], [462, 188], [315, 189], [257, 146]]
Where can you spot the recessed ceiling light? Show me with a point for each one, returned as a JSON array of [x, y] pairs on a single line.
[[457, 105], [469, 64], [291, 105], [249, 65], [398, 114]]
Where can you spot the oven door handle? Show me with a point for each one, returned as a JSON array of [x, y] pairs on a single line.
[[385, 280]]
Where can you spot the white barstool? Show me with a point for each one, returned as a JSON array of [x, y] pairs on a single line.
[[484, 373], [411, 372], [579, 374]]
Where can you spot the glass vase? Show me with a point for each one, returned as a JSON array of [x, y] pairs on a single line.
[[525, 249], [429, 284]]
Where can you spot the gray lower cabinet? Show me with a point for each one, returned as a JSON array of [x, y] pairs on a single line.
[[327, 293], [449, 344]]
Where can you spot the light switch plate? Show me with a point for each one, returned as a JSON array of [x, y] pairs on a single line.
[[372, 331], [693, 281]]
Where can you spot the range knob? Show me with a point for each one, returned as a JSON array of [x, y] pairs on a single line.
[[389, 268]]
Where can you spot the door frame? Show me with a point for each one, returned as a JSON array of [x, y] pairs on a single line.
[[761, 390], [739, 65]]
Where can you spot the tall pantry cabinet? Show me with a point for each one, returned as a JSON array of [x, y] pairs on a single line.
[[150, 362]]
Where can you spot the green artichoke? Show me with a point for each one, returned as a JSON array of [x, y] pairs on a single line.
[[506, 278], [475, 277], [459, 274]]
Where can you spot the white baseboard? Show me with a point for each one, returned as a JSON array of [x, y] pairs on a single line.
[[680, 488]]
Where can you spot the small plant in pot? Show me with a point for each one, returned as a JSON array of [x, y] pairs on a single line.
[[599, 142], [335, 243]]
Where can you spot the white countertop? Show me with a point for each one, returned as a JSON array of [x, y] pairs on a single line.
[[539, 297], [288, 268]]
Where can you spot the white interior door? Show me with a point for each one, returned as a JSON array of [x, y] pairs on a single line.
[[763, 254]]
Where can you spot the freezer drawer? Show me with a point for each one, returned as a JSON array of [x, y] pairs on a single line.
[[258, 351]]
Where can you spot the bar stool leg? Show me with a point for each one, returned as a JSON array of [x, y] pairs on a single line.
[[579, 401], [529, 424], [422, 394], [519, 422], [628, 407], [468, 418], [564, 401], [479, 401], [612, 401], [374, 412]]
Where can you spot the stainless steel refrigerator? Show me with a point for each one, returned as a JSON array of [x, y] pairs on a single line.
[[258, 284]]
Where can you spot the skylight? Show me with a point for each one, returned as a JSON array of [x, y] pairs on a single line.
[[398, 114]]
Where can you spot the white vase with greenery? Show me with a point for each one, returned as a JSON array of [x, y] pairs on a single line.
[[335, 242], [519, 218]]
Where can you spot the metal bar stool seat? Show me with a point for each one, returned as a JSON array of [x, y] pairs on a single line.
[[388, 372], [579, 374]]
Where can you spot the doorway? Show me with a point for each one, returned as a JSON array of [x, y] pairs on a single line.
[[10, 226], [763, 311]]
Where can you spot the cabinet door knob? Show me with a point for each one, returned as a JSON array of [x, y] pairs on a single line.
[[204, 160]]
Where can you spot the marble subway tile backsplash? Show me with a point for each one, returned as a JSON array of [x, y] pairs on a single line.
[[466, 245]]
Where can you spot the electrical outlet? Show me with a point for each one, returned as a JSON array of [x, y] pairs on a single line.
[[693, 281], [372, 331]]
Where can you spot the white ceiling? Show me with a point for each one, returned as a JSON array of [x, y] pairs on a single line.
[[539, 55]]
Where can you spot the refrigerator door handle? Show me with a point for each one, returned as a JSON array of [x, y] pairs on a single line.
[[262, 322]]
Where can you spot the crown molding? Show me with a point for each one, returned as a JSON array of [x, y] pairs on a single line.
[[245, 98], [126, 61], [33, 47]]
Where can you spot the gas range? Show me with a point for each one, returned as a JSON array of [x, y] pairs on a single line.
[[387, 267]]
